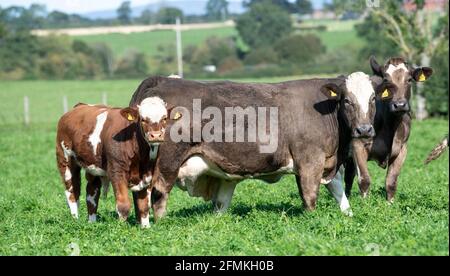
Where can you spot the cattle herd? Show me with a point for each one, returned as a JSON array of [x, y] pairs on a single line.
[[206, 137]]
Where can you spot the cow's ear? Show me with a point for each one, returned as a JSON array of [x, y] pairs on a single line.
[[385, 92], [130, 113], [174, 114], [331, 91], [376, 81], [422, 74], [376, 68]]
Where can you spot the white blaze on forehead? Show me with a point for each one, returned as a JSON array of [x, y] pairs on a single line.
[[360, 86], [392, 68], [94, 138], [153, 109]]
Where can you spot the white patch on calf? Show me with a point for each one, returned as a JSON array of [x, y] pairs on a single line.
[[143, 184], [392, 68], [91, 199], [67, 174], [94, 138], [73, 206], [153, 109], [360, 86], [67, 152], [173, 76]]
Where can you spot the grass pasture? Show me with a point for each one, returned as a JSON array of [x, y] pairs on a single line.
[[263, 219], [337, 35], [148, 42]]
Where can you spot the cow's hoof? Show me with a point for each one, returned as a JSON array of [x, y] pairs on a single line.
[[348, 212], [92, 218]]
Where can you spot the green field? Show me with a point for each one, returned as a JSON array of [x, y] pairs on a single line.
[[148, 42], [338, 35], [263, 219]]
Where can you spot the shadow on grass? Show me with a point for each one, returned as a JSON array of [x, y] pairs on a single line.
[[241, 209]]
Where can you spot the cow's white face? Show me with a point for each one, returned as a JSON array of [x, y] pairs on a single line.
[[359, 104], [153, 118], [151, 115], [152, 109], [360, 89]]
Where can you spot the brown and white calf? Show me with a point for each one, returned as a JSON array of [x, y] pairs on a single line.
[[110, 144], [392, 125]]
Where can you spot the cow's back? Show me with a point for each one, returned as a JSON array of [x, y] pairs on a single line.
[[93, 131]]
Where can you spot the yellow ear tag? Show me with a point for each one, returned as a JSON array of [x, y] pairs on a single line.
[[177, 116], [422, 77], [332, 93], [130, 117], [385, 94]]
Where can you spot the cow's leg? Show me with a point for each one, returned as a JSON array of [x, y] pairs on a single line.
[[105, 187], [136, 207], [123, 205], [142, 208], [160, 190], [92, 196], [349, 176], [223, 196], [70, 175], [395, 165], [360, 158], [159, 203], [336, 189], [308, 180]]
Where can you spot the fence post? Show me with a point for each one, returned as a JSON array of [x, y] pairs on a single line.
[[179, 48], [105, 98], [26, 109], [65, 104]]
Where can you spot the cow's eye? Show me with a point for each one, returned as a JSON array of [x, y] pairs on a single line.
[[347, 102]]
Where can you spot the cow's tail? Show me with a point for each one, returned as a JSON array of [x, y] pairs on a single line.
[[438, 150]]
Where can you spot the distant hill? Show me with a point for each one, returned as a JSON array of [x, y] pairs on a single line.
[[196, 7]]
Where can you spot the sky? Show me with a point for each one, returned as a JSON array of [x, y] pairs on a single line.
[[83, 6]]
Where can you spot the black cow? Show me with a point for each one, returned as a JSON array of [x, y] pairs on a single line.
[[316, 119]]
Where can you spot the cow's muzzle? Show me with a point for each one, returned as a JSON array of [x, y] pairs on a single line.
[[364, 131], [399, 106], [155, 136]]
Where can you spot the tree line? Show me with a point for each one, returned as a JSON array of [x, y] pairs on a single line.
[[268, 44]]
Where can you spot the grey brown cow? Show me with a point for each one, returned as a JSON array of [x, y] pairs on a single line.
[[392, 125], [110, 144], [316, 120]]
